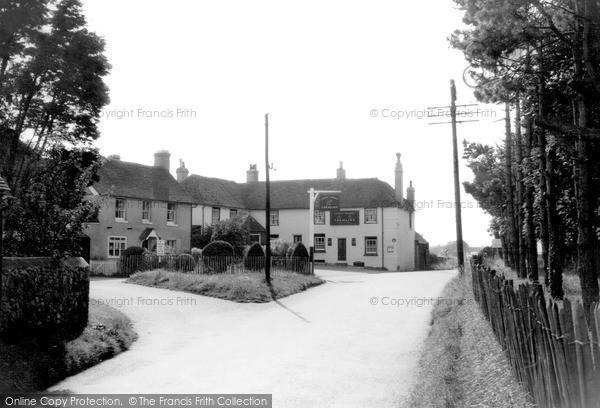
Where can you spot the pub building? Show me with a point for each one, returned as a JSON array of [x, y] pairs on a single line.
[[368, 223]]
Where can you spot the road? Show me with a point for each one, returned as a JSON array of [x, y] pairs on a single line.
[[342, 344]]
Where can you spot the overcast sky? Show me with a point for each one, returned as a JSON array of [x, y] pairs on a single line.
[[196, 78]]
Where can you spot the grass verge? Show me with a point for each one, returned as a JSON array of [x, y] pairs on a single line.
[[462, 364], [239, 287], [28, 366]]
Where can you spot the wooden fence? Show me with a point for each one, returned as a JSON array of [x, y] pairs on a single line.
[[553, 350]]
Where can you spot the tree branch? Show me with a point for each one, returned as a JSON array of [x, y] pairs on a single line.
[[560, 128]]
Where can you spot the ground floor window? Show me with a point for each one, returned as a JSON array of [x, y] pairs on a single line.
[[370, 245], [116, 246], [319, 242], [297, 238], [255, 238], [172, 244]]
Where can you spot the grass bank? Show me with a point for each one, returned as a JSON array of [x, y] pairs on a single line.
[[28, 366], [238, 287], [462, 364]]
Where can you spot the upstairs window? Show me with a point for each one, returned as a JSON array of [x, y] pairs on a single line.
[[319, 217], [171, 213], [120, 205], [274, 217], [216, 215], [146, 205], [370, 215]]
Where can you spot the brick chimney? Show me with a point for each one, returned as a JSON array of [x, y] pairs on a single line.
[[341, 173], [252, 174], [182, 172], [399, 173], [410, 194], [162, 158]]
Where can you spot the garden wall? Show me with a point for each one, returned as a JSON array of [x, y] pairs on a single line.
[[43, 298]]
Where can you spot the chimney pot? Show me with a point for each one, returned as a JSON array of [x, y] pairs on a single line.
[[399, 175], [182, 172], [341, 173], [252, 174]]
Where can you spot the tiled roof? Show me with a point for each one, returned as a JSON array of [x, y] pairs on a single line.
[[289, 194], [419, 238], [132, 180], [213, 191], [252, 225]]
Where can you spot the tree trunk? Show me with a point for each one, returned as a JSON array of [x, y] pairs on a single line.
[[522, 268], [510, 199], [555, 258], [586, 238], [532, 255], [541, 138]]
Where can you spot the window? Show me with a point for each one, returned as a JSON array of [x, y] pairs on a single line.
[[255, 238], [319, 217], [370, 215], [329, 241], [171, 213], [146, 205], [116, 245], [319, 242], [172, 244], [274, 217], [216, 215], [410, 217], [353, 241], [297, 238], [120, 209], [232, 213], [370, 245]]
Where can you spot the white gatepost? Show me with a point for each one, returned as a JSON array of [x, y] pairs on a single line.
[[313, 194]]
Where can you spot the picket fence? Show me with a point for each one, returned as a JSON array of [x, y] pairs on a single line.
[[202, 264], [553, 350]]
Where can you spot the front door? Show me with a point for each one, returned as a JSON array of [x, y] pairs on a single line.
[[342, 249]]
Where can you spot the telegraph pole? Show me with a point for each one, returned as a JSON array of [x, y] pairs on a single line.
[[267, 205], [458, 212], [459, 237]]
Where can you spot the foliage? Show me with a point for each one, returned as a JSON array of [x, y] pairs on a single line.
[[48, 215], [298, 250], [254, 257], [185, 262], [232, 231], [279, 247], [201, 236], [217, 256], [51, 82]]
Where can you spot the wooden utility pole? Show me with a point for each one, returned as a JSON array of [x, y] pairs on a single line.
[[267, 204], [458, 213]]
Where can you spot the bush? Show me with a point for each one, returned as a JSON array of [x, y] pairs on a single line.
[[201, 236], [298, 258], [185, 262], [132, 260], [254, 257], [196, 253], [298, 250], [234, 232], [217, 256], [279, 247]]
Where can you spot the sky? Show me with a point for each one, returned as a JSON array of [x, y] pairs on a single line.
[[341, 81]]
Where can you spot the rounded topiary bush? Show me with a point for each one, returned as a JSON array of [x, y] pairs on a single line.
[[254, 257], [185, 263], [132, 260], [217, 256], [298, 258]]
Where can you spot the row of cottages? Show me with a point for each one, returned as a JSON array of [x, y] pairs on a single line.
[[374, 227], [138, 205]]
